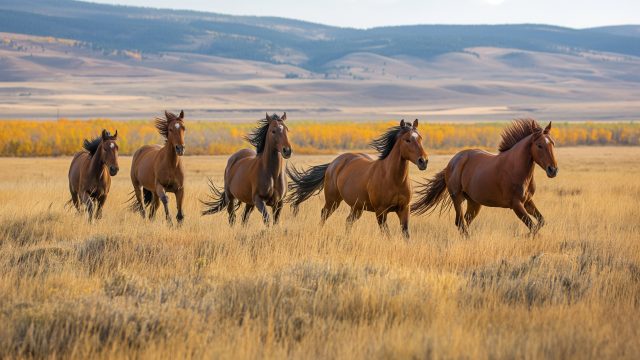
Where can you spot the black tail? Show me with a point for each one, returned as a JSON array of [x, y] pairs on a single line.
[[431, 194], [304, 184], [147, 196], [217, 200]]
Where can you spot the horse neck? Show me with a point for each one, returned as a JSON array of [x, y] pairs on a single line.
[[96, 167], [396, 166], [271, 160], [521, 162], [170, 154]]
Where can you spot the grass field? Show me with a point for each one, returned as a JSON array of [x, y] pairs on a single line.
[[125, 287]]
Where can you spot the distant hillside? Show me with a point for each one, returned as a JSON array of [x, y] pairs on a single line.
[[278, 40]]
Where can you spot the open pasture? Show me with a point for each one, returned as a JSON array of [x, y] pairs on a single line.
[[126, 287]]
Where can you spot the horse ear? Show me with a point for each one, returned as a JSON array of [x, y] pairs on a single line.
[[181, 114], [415, 123], [284, 116], [105, 134], [402, 123], [548, 128], [267, 116], [115, 137]]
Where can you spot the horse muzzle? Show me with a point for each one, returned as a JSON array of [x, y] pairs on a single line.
[[113, 170], [180, 150], [552, 171], [286, 152], [422, 163]]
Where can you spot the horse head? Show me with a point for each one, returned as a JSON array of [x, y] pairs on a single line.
[[410, 142], [277, 135], [109, 152], [542, 151]]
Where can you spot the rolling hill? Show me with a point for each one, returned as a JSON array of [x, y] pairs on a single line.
[[84, 59]]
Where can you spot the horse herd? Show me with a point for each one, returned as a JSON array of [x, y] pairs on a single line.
[[258, 178]]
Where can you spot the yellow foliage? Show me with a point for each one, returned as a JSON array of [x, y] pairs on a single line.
[[64, 137]]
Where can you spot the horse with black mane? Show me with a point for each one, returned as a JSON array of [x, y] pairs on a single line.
[[379, 185], [90, 173], [255, 178], [158, 169], [497, 180]]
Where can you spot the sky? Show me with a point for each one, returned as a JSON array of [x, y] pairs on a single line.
[[372, 13]]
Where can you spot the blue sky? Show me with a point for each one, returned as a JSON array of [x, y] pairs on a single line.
[[370, 13]]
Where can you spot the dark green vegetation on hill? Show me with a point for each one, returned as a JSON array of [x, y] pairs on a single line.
[[279, 40]]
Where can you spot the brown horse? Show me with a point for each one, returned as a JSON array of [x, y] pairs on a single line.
[[255, 178], [158, 169], [91, 171], [504, 180], [380, 185]]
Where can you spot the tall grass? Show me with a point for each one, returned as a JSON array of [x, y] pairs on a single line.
[[125, 287]]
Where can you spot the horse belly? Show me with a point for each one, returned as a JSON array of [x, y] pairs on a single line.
[[352, 184]]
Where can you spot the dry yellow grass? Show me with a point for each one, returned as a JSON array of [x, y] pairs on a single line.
[[130, 288]]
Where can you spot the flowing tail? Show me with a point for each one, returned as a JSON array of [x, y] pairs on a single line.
[[304, 184], [135, 206], [431, 194], [217, 200]]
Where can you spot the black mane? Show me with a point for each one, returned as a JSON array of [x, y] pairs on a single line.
[[384, 144], [258, 137], [92, 145]]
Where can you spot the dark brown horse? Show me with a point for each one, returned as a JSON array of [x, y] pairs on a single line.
[[158, 170], [90, 173], [255, 178], [504, 180], [380, 185]]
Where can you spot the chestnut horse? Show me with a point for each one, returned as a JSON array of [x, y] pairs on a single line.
[[158, 169], [255, 178], [91, 171], [381, 185], [504, 180]]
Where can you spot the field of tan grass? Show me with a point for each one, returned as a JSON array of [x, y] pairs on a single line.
[[126, 287]]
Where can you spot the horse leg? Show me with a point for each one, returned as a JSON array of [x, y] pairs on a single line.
[[179, 197], [473, 208], [140, 201], [88, 201], [231, 209], [381, 216], [354, 215], [457, 205], [162, 195], [277, 208], [75, 201], [533, 210], [403, 215], [153, 207], [262, 208], [521, 213], [101, 201], [245, 215]]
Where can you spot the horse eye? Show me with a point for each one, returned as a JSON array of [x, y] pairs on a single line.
[[539, 146], [407, 140], [273, 131]]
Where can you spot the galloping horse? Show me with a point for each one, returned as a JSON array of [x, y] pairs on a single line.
[[158, 169], [90, 173], [255, 178], [503, 180], [380, 185]]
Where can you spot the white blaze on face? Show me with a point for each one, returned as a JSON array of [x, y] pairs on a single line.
[[414, 135], [177, 126], [280, 127], [112, 145], [546, 139]]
